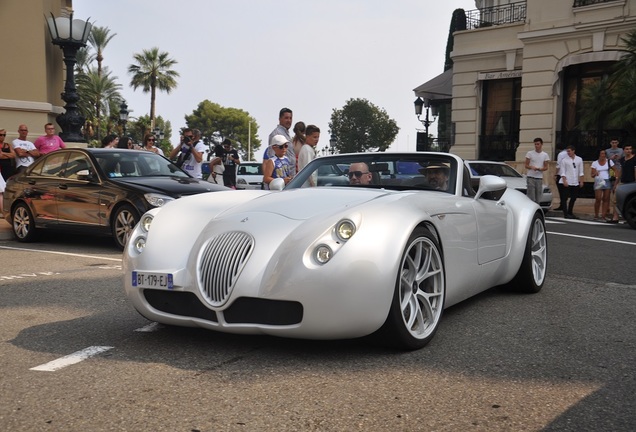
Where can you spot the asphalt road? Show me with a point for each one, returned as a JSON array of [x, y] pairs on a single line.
[[560, 360]]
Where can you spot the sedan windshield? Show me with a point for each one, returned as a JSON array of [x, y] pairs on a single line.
[[128, 163]]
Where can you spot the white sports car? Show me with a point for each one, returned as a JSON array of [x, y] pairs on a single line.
[[381, 256]]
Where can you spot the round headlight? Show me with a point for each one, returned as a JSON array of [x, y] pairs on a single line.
[[323, 254], [345, 230], [140, 244], [145, 222]]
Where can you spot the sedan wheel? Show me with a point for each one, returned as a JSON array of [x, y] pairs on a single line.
[[630, 213], [23, 223], [123, 224], [418, 300], [531, 274]]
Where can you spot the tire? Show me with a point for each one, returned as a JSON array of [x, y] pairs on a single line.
[[23, 223], [629, 212], [419, 295], [123, 222], [531, 275]]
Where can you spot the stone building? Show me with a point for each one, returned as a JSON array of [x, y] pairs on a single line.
[[32, 74], [518, 71]]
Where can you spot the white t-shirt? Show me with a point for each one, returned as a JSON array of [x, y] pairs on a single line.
[[191, 166], [24, 145], [538, 160], [603, 170], [306, 155]]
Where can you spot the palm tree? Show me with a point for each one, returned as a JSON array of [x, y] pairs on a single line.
[[151, 72], [94, 91], [99, 38]]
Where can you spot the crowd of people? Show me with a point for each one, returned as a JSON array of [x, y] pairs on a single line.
[[285, 156], [614, 166]]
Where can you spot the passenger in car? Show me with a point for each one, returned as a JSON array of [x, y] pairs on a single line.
[[436, 176]]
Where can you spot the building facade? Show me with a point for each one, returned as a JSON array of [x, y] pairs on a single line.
[[519, 69], [32, 76]]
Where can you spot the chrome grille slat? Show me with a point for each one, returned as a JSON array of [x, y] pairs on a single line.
[[221, 262]]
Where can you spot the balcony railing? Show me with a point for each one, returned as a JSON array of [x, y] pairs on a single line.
[[496, 15], [578, 3]]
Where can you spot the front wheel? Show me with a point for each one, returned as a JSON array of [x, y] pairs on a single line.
[[418, 298], [124, 222], [531, 274], [23, 223]]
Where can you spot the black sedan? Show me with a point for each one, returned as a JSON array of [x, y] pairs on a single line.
[[94, 191]]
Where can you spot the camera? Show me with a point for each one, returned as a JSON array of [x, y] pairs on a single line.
[[187, 139]]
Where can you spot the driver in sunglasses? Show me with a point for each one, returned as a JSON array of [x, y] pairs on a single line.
[[359, 174]]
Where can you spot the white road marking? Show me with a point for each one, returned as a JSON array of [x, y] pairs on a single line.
[[578, 221], [62, 253], [603, 239], [150, 328], [71, 359]]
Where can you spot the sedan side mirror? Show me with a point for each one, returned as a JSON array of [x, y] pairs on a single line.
[[85, 175]]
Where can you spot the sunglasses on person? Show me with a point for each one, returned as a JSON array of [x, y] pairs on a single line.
[[282, 146], [3, 134], [358, 174], [151, 139]]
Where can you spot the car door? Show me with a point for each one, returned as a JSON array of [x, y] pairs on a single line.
[[77, 197], [492, 216], [41, 188]]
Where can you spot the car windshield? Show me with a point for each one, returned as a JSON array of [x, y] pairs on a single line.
[[250, 169], [499, 170], [128, 163], [398, 171]]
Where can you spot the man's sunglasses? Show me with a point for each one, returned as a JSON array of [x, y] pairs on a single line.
[[282, 146], [358, 174]]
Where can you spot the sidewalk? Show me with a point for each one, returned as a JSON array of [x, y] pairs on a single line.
[[583, 208]]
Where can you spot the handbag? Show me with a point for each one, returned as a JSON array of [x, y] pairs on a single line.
[[611, 167], [598, 182]]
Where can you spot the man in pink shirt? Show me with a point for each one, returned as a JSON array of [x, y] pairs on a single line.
[[49, 142]]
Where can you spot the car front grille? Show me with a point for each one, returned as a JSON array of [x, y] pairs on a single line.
[[221, 263]]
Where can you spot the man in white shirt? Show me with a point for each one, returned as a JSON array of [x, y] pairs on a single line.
[[571, 169], [190, 151], [25, 150], [536, 164], [562, 154]]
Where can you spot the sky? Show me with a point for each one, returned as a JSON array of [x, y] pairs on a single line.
[[263, 55]]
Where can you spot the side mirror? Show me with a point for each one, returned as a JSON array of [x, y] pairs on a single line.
[[493, 186], [84, 175], [277, 184]]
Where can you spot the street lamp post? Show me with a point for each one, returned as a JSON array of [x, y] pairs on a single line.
[[424, 103], [70, 35], [158, 134], [123, 116]]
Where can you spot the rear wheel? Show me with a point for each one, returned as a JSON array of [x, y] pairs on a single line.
[[23, 223], [531, 274], [420, 291], [124, 221], [629, 213]]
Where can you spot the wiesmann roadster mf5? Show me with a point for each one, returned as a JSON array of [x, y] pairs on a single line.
[[379, 247]]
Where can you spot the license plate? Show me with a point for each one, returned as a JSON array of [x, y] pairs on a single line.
[[152, 280]]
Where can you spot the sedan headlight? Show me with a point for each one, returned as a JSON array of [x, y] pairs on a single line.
[[157, 200], [241, 181]]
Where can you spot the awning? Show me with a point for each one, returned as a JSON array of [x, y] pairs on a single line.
[[439, 88]]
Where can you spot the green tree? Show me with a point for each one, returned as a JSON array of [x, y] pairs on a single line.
[[610, 102], [458, 23], [99, 38], [152, 71], [232, 123], [361, 126], [94, 90]]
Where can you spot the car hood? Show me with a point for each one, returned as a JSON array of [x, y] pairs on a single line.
[[302, 204], [172, 186]]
